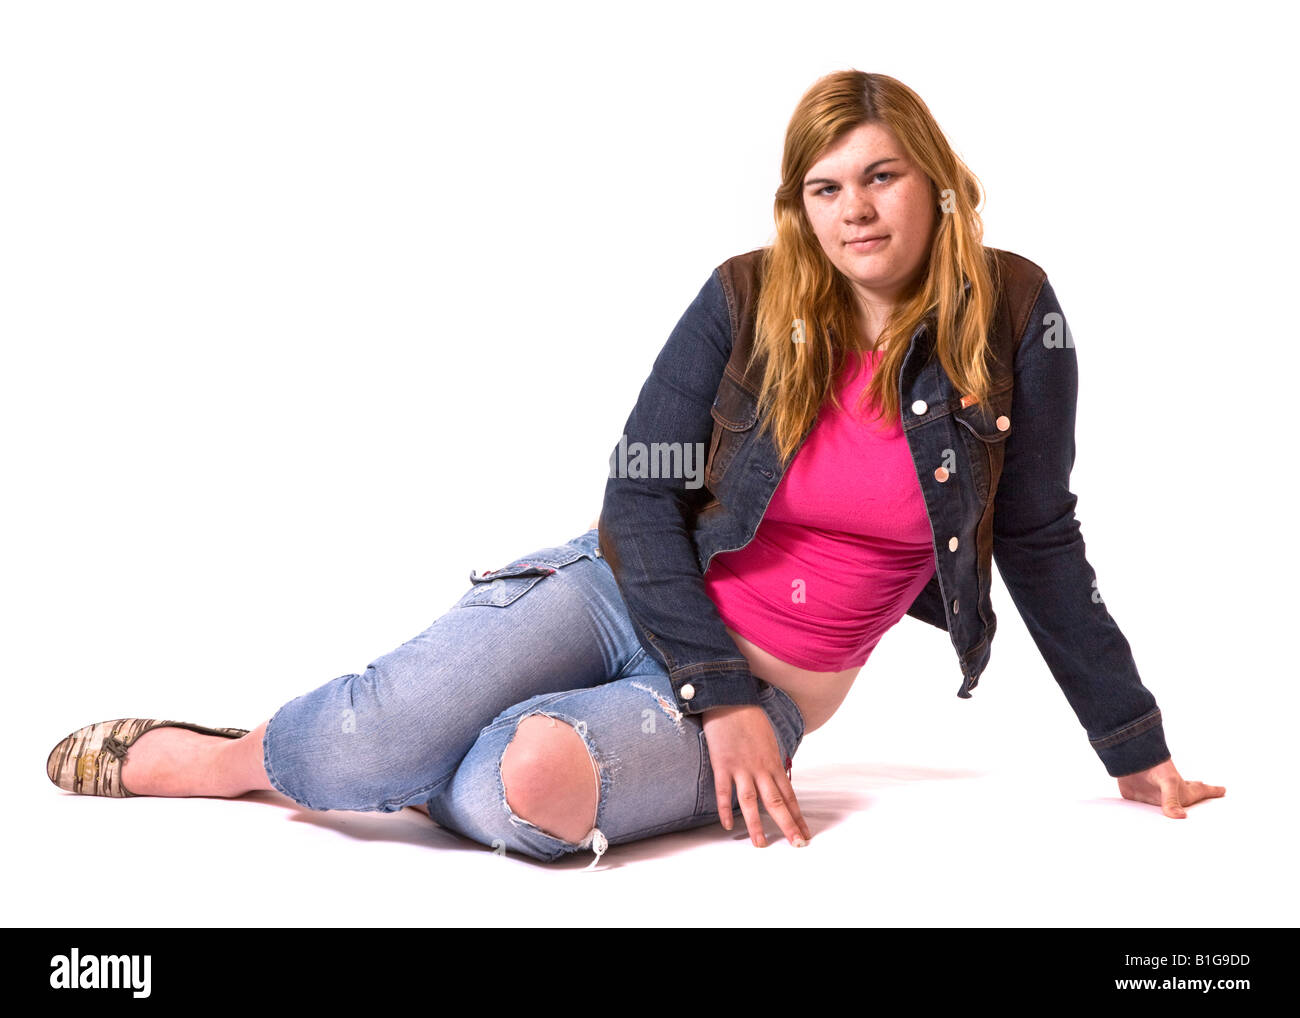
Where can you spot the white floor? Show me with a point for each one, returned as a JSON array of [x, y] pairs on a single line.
[[926, 811]]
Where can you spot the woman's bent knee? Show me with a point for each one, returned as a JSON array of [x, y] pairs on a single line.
[[550, 778], [326, 754]]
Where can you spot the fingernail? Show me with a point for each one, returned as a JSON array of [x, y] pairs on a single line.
[[799, 843]]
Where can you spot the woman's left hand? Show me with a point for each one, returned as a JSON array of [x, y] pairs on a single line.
[[1163, 786]]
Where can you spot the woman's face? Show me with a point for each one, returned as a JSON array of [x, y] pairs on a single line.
[[865, 186]]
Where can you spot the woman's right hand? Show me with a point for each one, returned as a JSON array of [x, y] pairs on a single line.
[[743, 750]]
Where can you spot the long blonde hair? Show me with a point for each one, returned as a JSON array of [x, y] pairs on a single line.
[[800, 282]]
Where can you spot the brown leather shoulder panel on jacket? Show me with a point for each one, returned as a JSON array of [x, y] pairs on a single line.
[[741, 281], [1021, 281]]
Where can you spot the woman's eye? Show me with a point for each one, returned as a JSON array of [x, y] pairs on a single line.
[[824, 191]]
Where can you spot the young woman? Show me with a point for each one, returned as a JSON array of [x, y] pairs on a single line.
[[848, 426]]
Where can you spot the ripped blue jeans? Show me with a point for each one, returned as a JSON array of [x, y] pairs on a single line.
[[429, 722]]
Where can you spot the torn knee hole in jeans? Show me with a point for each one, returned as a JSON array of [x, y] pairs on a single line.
[[595, 838]]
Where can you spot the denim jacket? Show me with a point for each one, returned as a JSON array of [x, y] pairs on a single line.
[[994, 475]]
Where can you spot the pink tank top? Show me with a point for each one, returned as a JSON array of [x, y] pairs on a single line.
[[844, 547]]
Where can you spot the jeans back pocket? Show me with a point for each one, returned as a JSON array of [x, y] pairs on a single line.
[[500, 588]]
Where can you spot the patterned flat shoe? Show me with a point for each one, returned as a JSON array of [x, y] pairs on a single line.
[[89, 761]]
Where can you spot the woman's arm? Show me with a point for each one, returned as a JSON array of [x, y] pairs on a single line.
[[645, 534], [1040, 554], [648, 514]]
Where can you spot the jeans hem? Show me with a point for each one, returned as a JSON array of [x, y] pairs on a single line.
[[270, 771]]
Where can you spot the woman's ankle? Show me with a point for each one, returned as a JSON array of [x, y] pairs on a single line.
[[178, 762]]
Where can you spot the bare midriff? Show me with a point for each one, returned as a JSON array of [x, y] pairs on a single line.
[[817, 694]]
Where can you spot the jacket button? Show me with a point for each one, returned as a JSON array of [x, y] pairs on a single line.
[[1003, 422], [919, 407], [941, 474], [688, 691], [954, 606], [952, 544]]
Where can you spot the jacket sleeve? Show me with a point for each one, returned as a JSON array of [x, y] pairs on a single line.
[[645, 526], [1040, 554]]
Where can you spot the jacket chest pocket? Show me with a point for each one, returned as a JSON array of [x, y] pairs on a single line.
[[984, 428], [734, 412]]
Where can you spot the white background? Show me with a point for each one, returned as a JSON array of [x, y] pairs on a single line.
[[309, 309]]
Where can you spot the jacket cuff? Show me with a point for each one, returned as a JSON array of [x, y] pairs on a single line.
[[698, 691], [1134, 747]]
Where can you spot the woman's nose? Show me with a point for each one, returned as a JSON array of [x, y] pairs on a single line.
[[858, 206]]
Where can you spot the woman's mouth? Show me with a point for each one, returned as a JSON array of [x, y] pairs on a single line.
[[869, 244]]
